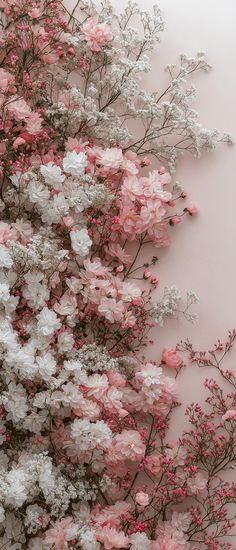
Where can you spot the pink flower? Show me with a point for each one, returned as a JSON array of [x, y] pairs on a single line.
[[67, 304], [96, 34], [68, 221], [60, 534], [229, 415], [192, 209], [116, 379], [18, 141], [142, 498], [111, 159], [34, 123], [175, 220], [126, 446], [111, 516], [196, 484], [171, 358], [112, 538], [111, 309], [19, 109], [36, 12], [6, 79], [153, 463], [3, 147], [146, 274], [6, 233]]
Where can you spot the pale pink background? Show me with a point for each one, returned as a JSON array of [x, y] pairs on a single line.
[[203, 252]]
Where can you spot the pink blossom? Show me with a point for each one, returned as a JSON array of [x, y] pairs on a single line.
[[111, 516], [142, 498], [59, 534], [68, 221], [17, 142], [229, 415], [126, 446], [6, 233], [171, 358], [19, 109], [36, 12], [175, 220], [96, 34], [6, 79], [67, 304], [116, 379], [112, 538], [3, 147], [129, 320], [34, 123], [146, 274], [197, 484], [111, 159], [111, 309], [192, 209], [153, 463]]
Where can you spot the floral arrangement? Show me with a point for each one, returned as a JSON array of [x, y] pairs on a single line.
[[85, 184]]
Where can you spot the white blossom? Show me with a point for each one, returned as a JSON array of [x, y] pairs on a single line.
[[48, 322], [75, 163], [80, 241]]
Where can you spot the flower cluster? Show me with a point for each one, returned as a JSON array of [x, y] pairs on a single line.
[[85, 459]]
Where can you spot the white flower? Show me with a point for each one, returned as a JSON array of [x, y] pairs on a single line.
[[65, 342], [36, 294], [52, 174], [88, 540], [38, 193], [129, 291], [5, 258], [75, 163], [46, 365], [36, 544], [88, 435], [16, 178], [2, 514], [4, 293], [139, 541], [16, 493], [16, 403], [150, 377], [48, 322], [34, 421], [80, 241]]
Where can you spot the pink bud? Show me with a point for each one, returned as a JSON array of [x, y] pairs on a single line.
[[192, 209], [175, 220], [18, 141], [154, 280], [123, 413], [119, 269], [68, 221], [146, 161], [171, 203], [146, 274], [162, 170], [71, 51]]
